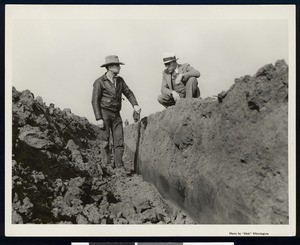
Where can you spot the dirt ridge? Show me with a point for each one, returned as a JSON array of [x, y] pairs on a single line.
[[223, 160], [58, 176]]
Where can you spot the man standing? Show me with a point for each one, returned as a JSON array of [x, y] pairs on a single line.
[[107, 102], [178, 81]]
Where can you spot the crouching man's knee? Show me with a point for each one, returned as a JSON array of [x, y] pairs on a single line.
[[192, 90], [192, 81], [165, 100]]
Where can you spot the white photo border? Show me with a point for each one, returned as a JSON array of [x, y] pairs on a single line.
[[272, 12]]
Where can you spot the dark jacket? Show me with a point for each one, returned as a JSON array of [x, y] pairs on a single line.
[[107, 96]]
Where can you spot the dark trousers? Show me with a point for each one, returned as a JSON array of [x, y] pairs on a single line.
[[113, 122], [191, 91]]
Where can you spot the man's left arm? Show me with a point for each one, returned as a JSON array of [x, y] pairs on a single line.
[[189, 71], [129, 94]]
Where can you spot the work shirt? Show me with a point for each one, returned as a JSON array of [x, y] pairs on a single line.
[[112, 79], [180, 87]]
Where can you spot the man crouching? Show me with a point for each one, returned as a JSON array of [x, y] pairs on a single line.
[[178, 81]]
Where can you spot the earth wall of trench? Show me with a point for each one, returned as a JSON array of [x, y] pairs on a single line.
[[223, 160]]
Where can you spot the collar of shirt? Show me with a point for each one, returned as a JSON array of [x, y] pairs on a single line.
[[175, 73], [112, 80]]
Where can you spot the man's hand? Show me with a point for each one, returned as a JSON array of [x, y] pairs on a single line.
[[178, 78], [176, 96], [101, 123], [137, 109]]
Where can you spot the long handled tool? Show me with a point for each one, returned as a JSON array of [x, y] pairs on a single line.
[[136, 118]]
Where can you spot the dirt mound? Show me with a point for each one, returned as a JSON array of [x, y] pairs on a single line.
[[58, 175], [224, 159]]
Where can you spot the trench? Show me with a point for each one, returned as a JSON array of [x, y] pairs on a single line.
[[175, 197], [172, 200], [201, 201]]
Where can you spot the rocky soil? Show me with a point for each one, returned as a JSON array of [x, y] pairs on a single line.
[[58, 175], [223, 160]]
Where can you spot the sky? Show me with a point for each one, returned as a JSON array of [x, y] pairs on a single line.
[[57, 52]]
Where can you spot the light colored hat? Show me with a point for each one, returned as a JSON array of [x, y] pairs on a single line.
[[112, 59], [169, 57]]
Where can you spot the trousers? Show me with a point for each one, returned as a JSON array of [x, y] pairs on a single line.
[[112, 123], [191, 91]]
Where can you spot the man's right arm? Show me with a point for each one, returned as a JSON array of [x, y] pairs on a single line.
[[96, 98], [190, 72]]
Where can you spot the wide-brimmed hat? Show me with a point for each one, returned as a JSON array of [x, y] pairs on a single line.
[[112, 59], [169, 57]]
